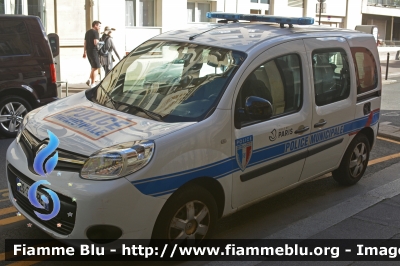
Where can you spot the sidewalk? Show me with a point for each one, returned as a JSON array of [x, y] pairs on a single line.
[[72, 89]]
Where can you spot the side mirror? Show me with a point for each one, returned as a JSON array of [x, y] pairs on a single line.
[[258, 108], [54, 42]]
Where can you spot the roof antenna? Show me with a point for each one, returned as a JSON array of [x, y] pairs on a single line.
[[191, 38]]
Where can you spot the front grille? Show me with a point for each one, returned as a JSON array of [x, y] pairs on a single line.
[[67, 161], [66, 204]]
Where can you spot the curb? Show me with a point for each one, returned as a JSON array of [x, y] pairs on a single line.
[[389, 81], [388, 131]]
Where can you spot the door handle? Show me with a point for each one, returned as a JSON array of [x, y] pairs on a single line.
[[367, 108], [321, 123], [301, 130]]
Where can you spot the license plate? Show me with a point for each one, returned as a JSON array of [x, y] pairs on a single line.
[[24, 188]]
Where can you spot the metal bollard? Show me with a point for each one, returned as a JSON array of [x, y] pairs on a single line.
[[387, 66], [66, 87]]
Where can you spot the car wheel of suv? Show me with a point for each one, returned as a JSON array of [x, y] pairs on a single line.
[[354, 162], [188, 217], [12, 112]]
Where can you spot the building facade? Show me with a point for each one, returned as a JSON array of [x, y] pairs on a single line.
[[139, 20]]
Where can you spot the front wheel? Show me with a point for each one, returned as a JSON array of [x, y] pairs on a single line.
[[354, 162], [12, 112], [188, 217]]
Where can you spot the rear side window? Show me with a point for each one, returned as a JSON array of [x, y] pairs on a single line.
[[366, 71], [14, 38], [331, 76]]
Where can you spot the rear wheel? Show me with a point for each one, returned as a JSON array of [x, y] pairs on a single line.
[[12, 112], [188, 217], [354, 161]]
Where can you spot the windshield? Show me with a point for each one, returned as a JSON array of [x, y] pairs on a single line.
[[169, 81]]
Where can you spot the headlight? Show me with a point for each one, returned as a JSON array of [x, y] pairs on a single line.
[[118, 161], [26, 120]]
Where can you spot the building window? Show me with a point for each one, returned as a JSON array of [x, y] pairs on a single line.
[[17, 6], [255, 11], [296, 3], [37, 8], [196, 11], [260, 1], [140, 13]]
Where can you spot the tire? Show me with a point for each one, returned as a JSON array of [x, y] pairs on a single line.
[[12, 111], [173, 223], [354, 162]]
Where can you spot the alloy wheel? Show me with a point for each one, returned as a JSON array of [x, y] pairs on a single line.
[[11, 116], [358, 159], [191, 222]]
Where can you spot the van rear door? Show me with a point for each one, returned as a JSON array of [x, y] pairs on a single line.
[[334, 99], [368, 78]]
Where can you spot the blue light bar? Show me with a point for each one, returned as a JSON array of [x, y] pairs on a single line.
[[262, 18]]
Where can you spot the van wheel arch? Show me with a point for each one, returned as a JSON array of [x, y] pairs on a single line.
[[354, 161], [31, 98], [369, 133], [215, 188], [210, 185]]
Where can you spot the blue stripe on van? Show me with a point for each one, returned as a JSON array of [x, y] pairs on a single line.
[[166, 184]]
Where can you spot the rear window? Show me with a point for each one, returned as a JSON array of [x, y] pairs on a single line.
[[366, 71], [14, 38]]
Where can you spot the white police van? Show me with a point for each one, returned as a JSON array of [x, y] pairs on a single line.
[[195, 124]]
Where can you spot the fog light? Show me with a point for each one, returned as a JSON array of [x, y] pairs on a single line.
[[103, 234]]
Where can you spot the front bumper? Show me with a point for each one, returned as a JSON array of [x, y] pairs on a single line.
[[115, 202]]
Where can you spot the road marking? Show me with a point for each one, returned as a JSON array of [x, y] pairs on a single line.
[[5, 194], [4, 200], [11, 220], [390, 140], [28, 261], [11, 255], [7, 210], [3, 190]]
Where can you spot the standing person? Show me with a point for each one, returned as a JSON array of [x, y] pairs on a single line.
[[106, 58], [92, 39]]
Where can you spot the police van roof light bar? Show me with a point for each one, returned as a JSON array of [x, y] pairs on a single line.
[[262, 18]]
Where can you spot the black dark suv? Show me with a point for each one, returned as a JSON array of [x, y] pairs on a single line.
[[27, 70]]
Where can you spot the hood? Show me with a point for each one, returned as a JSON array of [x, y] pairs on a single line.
[[84, 127]]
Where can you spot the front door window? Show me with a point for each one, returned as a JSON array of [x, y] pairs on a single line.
[[279, 82]]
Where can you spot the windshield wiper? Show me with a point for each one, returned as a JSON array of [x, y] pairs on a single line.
[[110, 99], [147, 112]]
